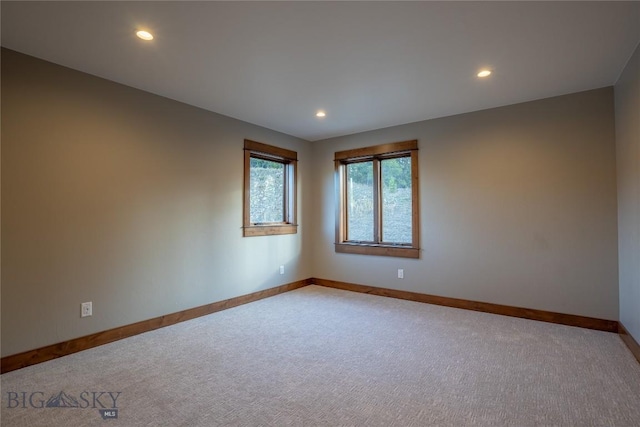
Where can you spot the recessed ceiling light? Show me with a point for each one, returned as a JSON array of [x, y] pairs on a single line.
[[321, 114], [144, 35], [484, 73]]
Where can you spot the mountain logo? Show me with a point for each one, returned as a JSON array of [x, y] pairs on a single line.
[[62, 400]]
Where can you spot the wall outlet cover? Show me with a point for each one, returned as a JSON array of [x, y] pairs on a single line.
[[86, 309]]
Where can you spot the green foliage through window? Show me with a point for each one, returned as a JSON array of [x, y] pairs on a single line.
[[395, 177], [267, 191]]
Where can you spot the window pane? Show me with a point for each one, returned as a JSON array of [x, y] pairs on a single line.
[[396, 200], [360, 201], [267, 191]]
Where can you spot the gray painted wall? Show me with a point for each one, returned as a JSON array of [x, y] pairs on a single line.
[[126, 199], [627, 102], [518, 207], [134, 202]]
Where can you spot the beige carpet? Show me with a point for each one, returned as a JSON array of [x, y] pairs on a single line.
[[319, 356]]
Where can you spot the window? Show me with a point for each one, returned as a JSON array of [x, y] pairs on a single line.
[[269, 190], [377, 200]]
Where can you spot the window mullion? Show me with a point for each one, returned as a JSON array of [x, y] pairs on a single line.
[[285, 198], [377, 205], [247, 188], [345, 189]]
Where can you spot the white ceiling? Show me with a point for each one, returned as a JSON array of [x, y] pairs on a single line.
[[367, 64]]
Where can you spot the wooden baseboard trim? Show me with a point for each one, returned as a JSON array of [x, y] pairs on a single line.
[[32, 357], [629, 341], [505, 310]]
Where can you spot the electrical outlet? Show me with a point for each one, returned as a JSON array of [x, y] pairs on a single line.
[[282, 269], [86, 309], [400, 273]]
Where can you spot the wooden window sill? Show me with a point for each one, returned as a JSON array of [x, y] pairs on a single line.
[[381, 250], [269, 230]]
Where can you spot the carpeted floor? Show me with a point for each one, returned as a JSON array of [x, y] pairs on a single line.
[[325, 357]]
